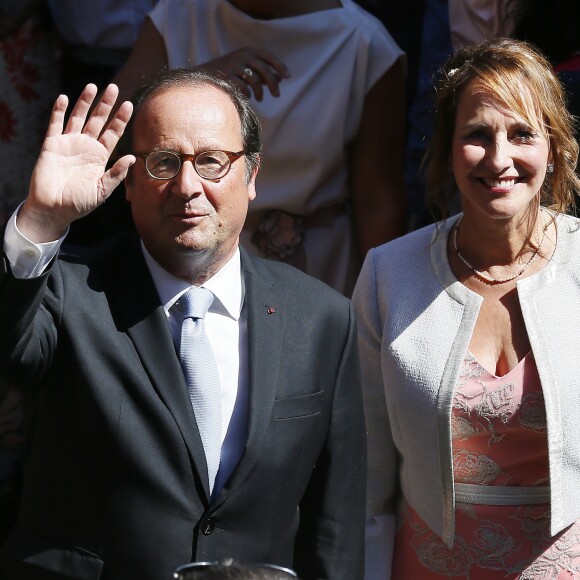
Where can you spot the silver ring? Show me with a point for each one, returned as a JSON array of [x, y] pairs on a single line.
[[248, 72]]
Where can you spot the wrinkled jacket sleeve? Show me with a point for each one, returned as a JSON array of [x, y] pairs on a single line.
[[372, 308], [29, 313]]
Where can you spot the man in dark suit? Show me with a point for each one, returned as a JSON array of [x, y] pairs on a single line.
[[118, 479]]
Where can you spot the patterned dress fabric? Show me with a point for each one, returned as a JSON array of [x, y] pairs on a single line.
[[29, 86], [499, 438]]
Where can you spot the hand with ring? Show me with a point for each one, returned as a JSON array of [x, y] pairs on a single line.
[[250, 69]]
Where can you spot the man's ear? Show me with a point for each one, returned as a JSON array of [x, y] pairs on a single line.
[[252, 182]]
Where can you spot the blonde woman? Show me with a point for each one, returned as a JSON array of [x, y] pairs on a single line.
[[469, 334]]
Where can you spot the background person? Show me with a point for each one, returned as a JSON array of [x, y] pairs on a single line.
[[467, 339], [136, 463], [446, 26], [28, 69], [556, 33], [29, 85], [328, 85]]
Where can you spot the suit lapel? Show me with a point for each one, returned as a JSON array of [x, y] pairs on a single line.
[[136, 304], [264, 302]]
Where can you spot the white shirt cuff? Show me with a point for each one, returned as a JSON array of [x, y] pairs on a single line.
[[27, 259]]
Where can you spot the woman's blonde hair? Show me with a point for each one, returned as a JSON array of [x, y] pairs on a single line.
[[523, 82]]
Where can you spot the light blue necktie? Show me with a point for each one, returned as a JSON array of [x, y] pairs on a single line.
[[201, 375]]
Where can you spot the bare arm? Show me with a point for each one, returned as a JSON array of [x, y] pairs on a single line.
[[377, 162], [147, 58], [69, 179], [249, 68]]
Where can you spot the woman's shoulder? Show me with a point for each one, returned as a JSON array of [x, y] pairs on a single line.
[[369, 26], [401, 264], [568, 241], [566, 222], [415, 243], [401, 275]]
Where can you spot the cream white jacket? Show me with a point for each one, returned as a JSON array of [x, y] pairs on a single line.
[[415, 323]]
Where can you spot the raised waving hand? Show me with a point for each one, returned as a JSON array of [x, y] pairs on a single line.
[[70, 177]]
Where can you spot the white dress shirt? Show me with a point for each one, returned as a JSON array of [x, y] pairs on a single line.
[[226, 328], [225, 323]]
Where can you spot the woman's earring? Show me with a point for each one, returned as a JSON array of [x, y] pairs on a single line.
[[550, 168]]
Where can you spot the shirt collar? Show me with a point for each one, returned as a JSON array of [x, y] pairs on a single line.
[[227, 285]]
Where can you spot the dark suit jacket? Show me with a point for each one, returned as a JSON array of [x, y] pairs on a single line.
[[115, 475]]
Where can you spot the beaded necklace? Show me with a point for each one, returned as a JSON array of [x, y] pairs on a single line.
[[489, 279]]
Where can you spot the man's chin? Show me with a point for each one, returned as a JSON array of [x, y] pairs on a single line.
[[188, 244]]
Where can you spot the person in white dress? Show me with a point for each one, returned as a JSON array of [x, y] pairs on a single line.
[[328, 83]]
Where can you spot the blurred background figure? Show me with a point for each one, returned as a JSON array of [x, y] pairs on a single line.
[[447, 26], [96, 39], [230, 570], [404, 21], [554, 29], [328, 82], [28, 70]]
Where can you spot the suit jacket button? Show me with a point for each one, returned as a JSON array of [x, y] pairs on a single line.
[[207, 527]]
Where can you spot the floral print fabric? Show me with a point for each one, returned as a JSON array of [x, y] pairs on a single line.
[[498, 428], [28, 68]]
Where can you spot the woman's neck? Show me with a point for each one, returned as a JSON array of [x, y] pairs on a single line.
[[269, 10], [497, 257], [501, 243]]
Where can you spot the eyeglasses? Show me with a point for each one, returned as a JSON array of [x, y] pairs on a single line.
[[196, 570], [210, 165]]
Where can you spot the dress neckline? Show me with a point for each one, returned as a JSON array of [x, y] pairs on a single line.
[[521, 363], [283, 18]]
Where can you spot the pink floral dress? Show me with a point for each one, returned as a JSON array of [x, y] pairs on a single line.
[[499, 438]]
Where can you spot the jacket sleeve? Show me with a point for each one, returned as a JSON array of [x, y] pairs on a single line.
[[382, 487], [330, 541], [29, 313]]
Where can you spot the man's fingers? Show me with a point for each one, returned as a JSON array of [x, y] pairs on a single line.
[[56, 122], [114, 176], [78, 115], [117, 126], [101, 112]]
